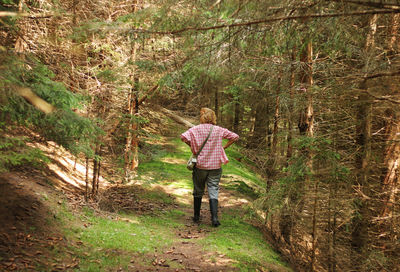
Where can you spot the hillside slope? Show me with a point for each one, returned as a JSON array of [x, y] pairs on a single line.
[[142, 226]]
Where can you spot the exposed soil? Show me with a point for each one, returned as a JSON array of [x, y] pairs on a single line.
[[26, 237]]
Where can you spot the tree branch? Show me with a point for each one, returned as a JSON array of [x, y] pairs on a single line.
[[146, 95], [370, 4], [269, 20], [383, 98], [383, 74]]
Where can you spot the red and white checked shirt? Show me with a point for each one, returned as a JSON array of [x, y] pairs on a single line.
[[213, 154]]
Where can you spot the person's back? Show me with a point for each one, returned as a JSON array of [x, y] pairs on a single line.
[[208, 167]]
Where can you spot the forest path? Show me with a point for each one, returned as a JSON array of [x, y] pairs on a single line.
[[142, 226], [186, 250], [238, 244]]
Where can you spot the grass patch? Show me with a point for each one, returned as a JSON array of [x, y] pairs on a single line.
[[168, 166], [241, 187], [242, 242], [235, 167], [108, 243], [155, 195]]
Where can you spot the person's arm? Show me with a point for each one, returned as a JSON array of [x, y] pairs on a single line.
[[184, 138], [185, 141], [231, 136], [229, 143]]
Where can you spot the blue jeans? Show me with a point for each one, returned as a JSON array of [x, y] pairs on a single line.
[[202, 177]]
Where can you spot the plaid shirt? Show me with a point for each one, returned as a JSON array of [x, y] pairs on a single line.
[[213, 154]]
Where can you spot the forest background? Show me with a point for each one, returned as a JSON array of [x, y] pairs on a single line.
[[310, 86]]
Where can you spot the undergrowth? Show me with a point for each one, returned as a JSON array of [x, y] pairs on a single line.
[[125, 240]]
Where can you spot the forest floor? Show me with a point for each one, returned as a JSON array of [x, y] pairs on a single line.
[[142, 226]]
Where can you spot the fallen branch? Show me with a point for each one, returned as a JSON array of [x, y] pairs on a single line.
[[146, 95], [177, 118]]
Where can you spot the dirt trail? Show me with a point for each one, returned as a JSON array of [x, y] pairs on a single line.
[[30, 200], [191, 255], [26, 240]]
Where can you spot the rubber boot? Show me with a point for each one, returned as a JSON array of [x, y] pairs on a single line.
[[214, 212], [197, 207]]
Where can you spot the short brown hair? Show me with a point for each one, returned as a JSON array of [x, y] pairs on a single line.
[[207, 116]]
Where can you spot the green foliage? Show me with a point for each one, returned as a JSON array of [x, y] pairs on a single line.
[[63, 126], [107, 75], [243, 243], [14, 152], [289, 188]]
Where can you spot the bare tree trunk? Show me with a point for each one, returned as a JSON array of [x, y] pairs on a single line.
[[306, 120], [132, 141], [94, 177], [274, 152], [306, 128], [87, 179], [291, 105], [98, 169], [75, 161], [236, 119], [361, 217], [314, 226], [216, 105], [390, 177], [276, 120], [258, 138], [360, 222]]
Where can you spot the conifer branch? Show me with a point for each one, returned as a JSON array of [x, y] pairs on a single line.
[[270, 20], [383, 74]]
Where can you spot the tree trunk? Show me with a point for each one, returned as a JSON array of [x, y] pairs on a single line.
[[361, 217], [236, 119], [132, 141], [216, 105], [276, 120], [258, 138], [359, 236], [306, 128], [87, 179], [291, 104], [390, 177], [94, 177], [306, 120]]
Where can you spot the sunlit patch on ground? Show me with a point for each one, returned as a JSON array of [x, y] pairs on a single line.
[[174, 160], [218, 259], [230, 200], [183, 195], [68, 170]]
